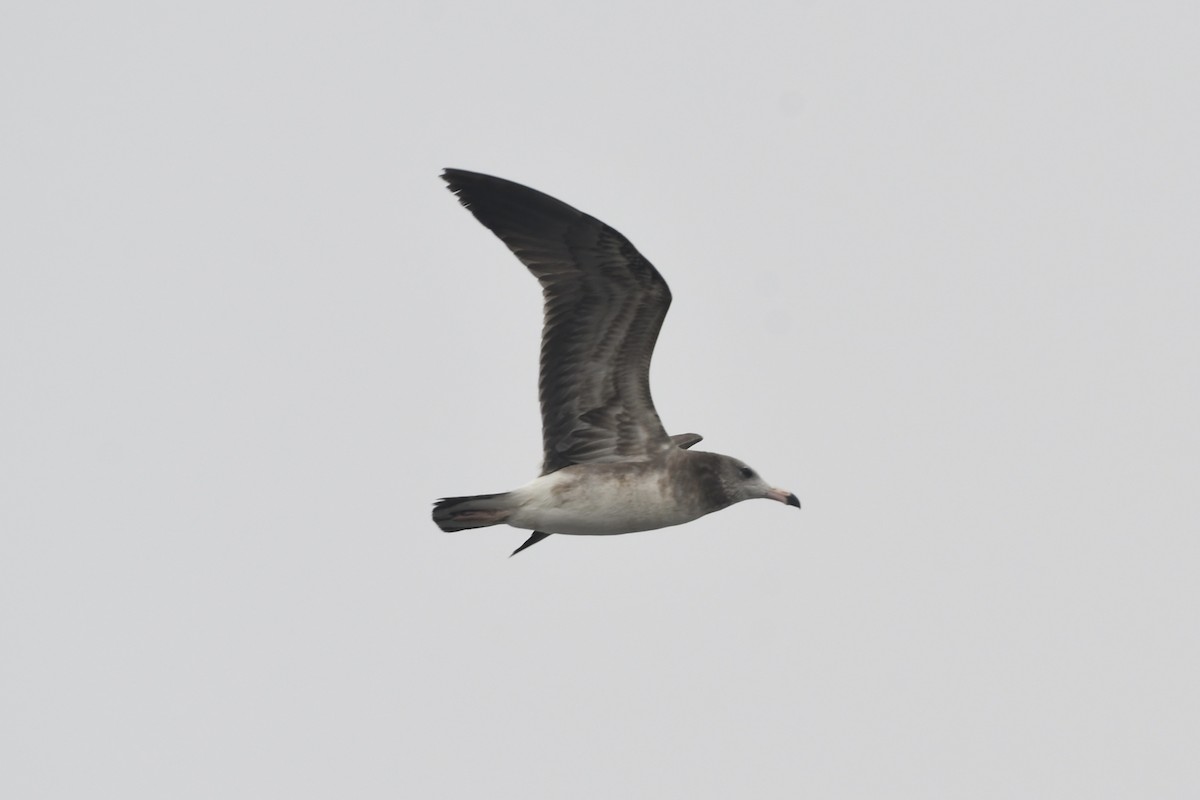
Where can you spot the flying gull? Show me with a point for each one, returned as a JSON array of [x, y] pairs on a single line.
[[609, 466]]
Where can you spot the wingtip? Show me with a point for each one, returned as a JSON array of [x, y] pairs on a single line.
[[467, 185], [452, 177], [530, 542]]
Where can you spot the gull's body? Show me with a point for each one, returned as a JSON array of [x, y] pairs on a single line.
[[609, 466], [598, 500]]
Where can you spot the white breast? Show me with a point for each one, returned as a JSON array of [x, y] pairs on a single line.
[[597, 501]]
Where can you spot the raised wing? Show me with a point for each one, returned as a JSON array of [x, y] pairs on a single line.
[[604, 306]]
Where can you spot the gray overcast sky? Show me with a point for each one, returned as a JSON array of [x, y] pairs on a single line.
[[935, 269]]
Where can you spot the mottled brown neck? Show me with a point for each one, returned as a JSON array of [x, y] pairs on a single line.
[[696, 481]]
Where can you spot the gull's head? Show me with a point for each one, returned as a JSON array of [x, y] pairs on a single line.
[[742, 482]]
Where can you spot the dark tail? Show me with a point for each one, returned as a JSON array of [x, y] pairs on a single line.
[[477, 511]]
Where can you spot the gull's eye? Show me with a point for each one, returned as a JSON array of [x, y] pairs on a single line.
[[747, 473]]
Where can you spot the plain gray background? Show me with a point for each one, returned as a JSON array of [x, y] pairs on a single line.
[[935, 269]]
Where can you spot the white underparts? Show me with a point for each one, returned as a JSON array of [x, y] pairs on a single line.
[[597, 502]]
